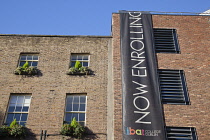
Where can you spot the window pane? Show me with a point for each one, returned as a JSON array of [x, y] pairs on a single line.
[[74, 57], [29, 57], [82, 99], [19, 105], [27, 99], [23, 57], [82, 107], [85, 64], [79, 57], [69, 107], [30, 63], [75, 115], [13, 99], [34, 64], [85, 57], [75, 107], [35, 57], [25, 109], [81, 116], [17, 117], [73, 64], [11, 109], [76, 99], [9, 118], [69, 99], [20, 100], [11, 104], [24, 117], [18, 109], [68, 117], [22, 63]]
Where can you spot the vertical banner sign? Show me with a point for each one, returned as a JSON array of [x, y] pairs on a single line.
[[142, 110]]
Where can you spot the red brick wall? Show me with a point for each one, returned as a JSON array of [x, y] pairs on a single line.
[[117, 77], [193, 36]]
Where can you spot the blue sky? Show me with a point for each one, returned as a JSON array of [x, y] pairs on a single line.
[[79, 17]]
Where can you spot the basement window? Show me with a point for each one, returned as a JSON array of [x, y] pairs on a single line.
[[181, 133], [166, 41], [173, 87]]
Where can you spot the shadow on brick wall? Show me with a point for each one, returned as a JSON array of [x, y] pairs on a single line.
[[1, 118], [39, 74], [90, 135], [30, 135]]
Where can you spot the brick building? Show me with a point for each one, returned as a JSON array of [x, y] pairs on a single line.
[[192, 57], [49, 91], [45, 98]]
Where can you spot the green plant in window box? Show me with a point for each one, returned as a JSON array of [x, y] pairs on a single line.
[[14, 130], [77, 65], [26, 70], [18, 131], [13, 123], [74, 129], [78, 69], [78, 131], [4, 131], [66, 130]]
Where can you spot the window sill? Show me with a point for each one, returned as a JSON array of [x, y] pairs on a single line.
[[26, 71], [26, 74], [78, 73]]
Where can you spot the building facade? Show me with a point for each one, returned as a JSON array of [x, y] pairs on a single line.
[[192, 33], [47, 94], [47, 100]]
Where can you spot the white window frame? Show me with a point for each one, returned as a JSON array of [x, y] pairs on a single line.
[[70, 112], [80, 60], [14, 112], [29, 60]]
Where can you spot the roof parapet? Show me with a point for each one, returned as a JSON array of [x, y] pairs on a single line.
[[169, 13]]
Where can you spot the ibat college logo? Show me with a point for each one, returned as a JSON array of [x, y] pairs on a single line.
[[141, 132]]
